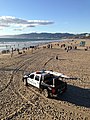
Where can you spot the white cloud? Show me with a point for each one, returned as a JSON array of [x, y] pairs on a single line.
[[18, 29], [20, 24]]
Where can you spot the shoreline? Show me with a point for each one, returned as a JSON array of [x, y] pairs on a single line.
[[53, 44], [20, 43]]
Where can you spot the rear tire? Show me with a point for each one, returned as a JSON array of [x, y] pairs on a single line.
[[50, 95]]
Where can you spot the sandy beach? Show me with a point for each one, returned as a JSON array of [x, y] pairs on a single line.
[[18, 102]]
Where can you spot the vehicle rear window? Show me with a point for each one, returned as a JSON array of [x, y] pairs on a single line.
[[48, 77]]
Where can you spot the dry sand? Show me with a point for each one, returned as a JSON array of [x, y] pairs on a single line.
[[18, 102]]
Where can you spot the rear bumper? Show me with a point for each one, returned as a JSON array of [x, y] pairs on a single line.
[[60, 91]]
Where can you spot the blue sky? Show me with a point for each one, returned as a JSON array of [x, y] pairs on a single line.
[[26, 16]]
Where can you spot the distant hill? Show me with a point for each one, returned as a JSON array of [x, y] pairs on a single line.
[[47, 36]]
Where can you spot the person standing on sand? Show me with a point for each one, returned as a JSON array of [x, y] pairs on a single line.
[[56, 57], [12, 52]]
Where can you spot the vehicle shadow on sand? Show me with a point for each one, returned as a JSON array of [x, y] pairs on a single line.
[[76, 95]]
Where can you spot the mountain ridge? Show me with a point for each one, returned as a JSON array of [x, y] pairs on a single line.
[[45, 35]]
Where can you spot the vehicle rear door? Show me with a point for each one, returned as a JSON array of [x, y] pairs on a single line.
[[37, 81]]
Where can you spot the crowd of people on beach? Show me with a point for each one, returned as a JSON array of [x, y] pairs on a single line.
[[67, 46]]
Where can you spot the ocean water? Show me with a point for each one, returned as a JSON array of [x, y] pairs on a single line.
[[9, 43]]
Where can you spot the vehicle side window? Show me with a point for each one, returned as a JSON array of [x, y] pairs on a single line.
[[37, 78], [31, 76]]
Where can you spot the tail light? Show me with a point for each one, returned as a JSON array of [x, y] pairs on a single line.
[[53, 90]]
